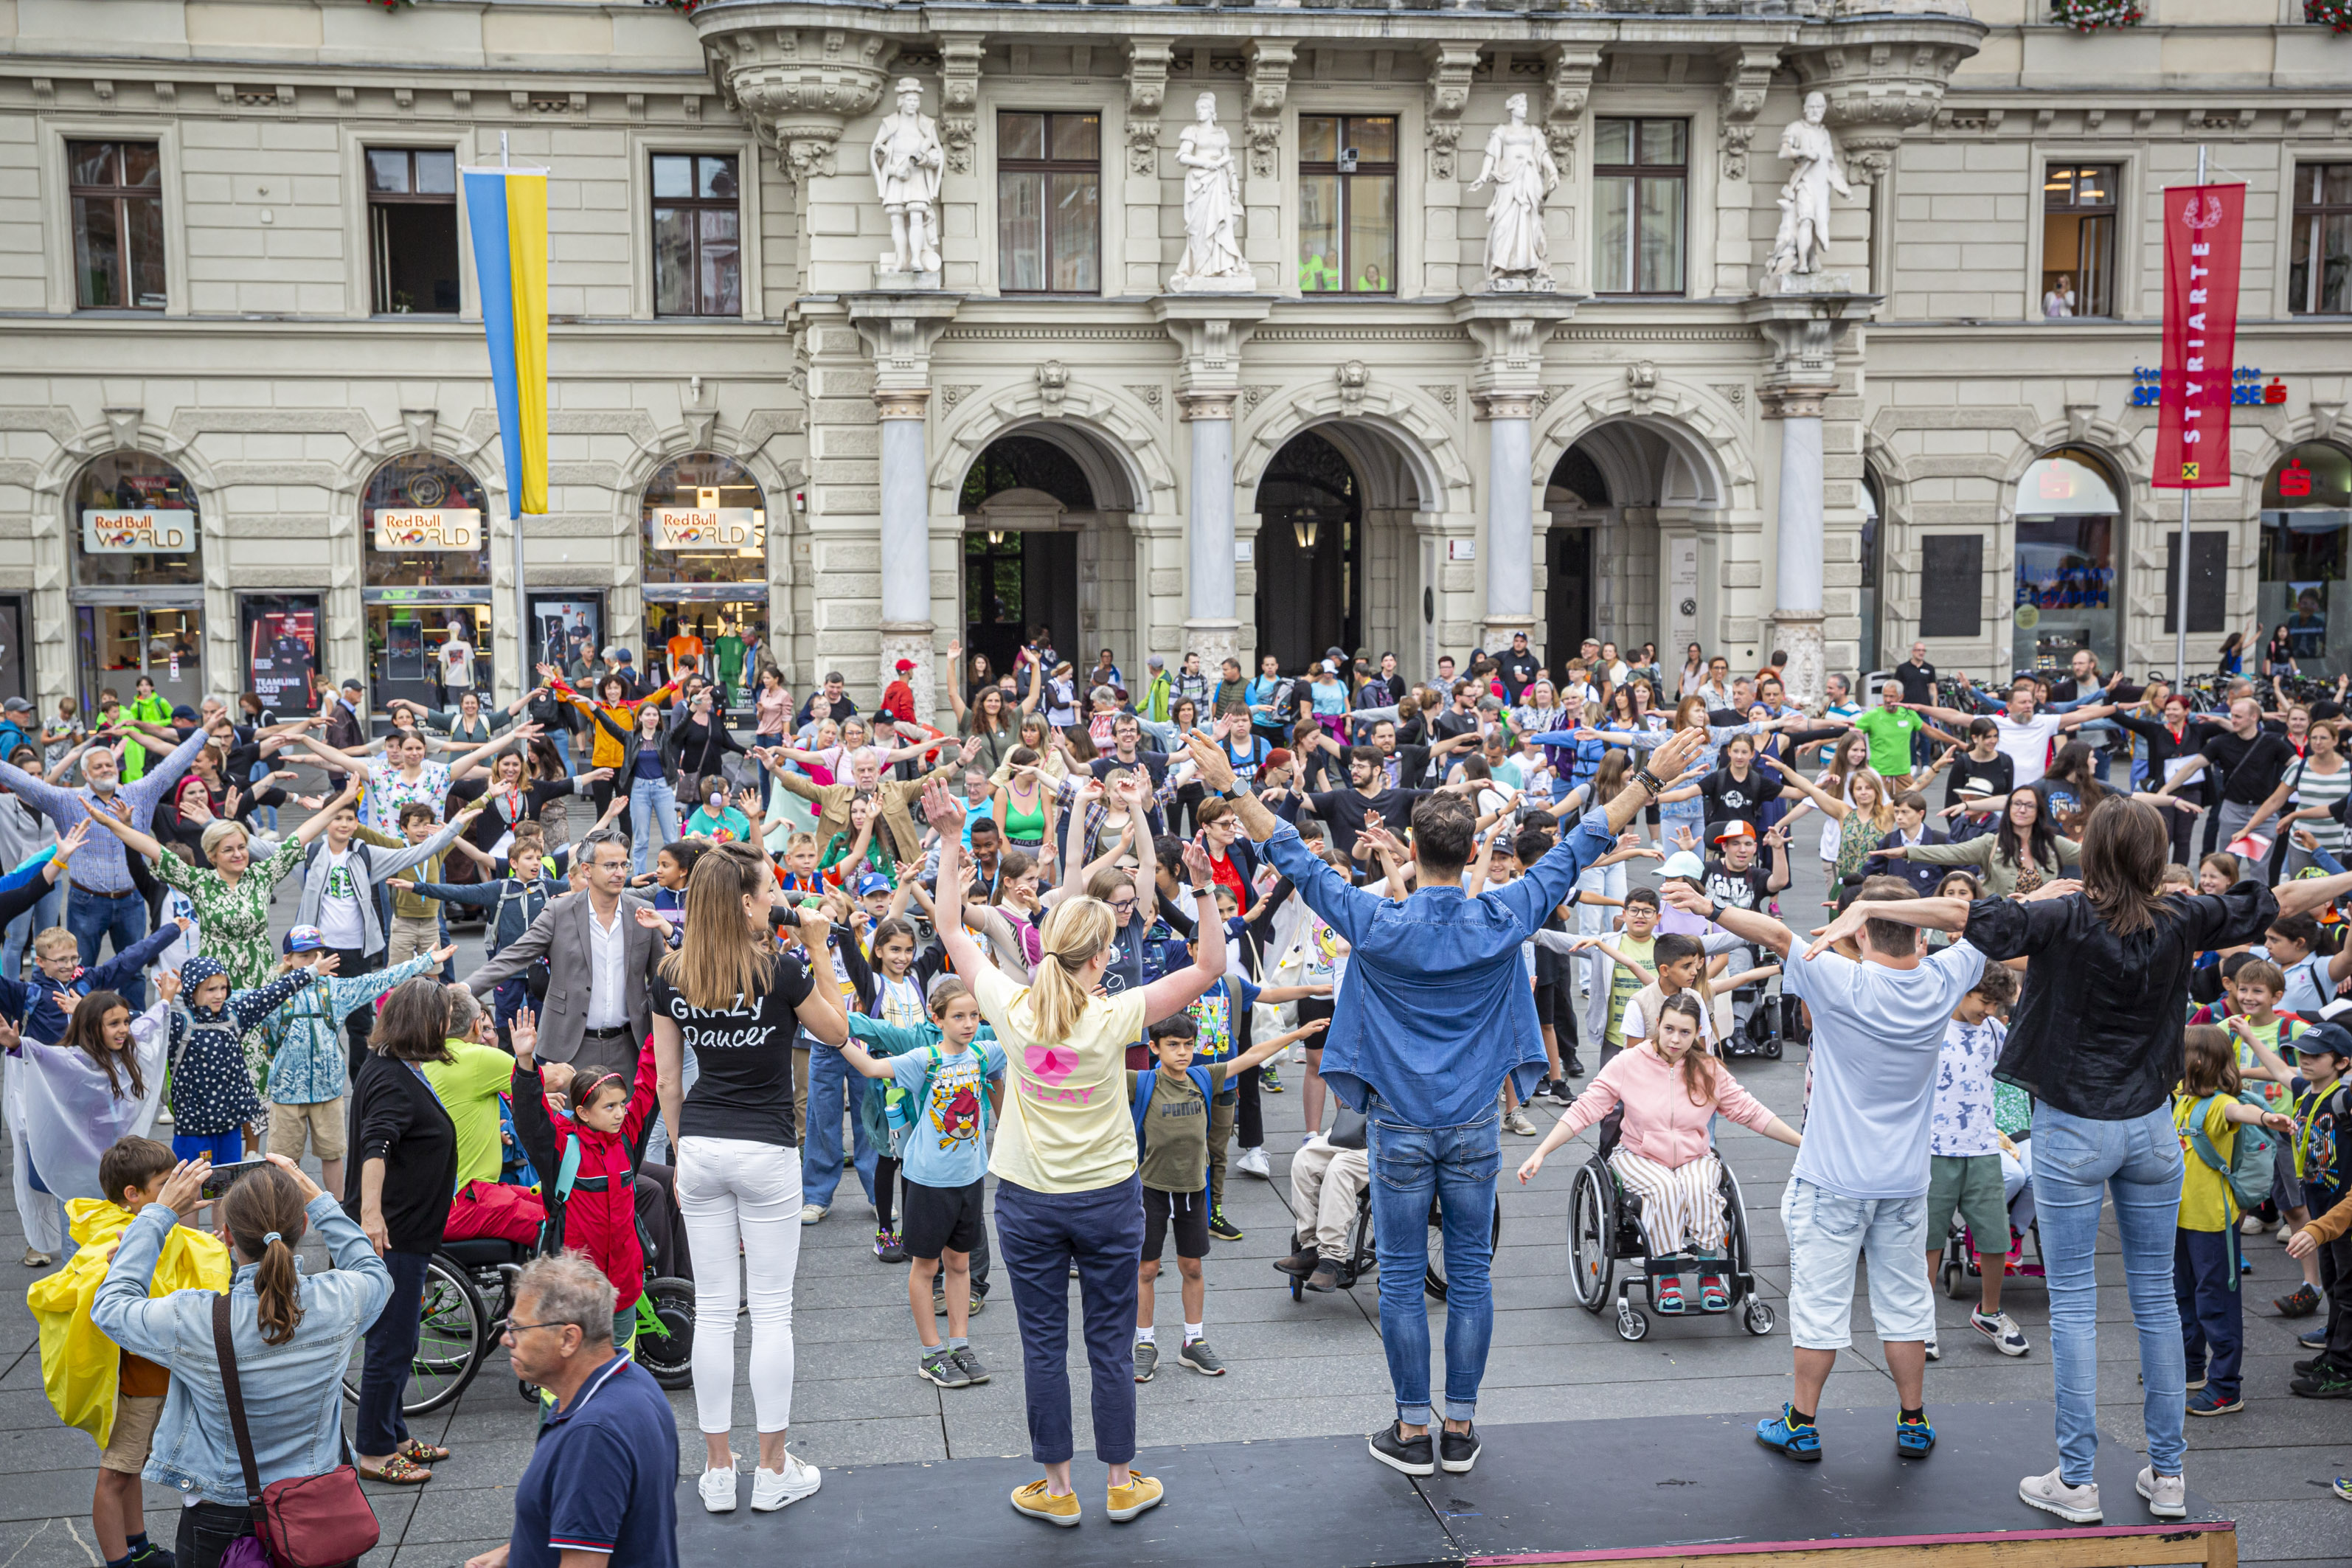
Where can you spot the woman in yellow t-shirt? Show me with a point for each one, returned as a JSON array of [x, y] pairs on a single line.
[[1067, 1193], [2207, 1113]]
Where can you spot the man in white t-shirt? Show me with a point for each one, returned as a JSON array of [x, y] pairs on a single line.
[[2025, 735], [1859, 1187]]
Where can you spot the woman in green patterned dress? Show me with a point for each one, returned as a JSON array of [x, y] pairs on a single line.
[[1861, 826]]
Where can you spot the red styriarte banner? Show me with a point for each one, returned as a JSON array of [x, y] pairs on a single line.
[[2204, 227]]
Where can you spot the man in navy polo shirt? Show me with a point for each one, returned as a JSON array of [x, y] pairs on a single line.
[[602, 1487]]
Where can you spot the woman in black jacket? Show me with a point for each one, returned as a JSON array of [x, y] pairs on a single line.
[[404, 1166], [698, 744]]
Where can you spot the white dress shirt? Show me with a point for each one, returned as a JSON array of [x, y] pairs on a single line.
[[608, 986]]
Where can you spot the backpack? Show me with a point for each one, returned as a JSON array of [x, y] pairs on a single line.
[[2253, 1155], [1143, 1107], [887, 1111], [550, 1233]]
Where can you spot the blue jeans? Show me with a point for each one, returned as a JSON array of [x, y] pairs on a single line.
[[2076, 1162], [1456, 1167], [833, 1090], [1040, 1237], [49, 911], [2212, 1307], [93, 916], [653, 810]]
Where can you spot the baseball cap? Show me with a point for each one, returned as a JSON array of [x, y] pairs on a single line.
[[905, 665], [873, 882], [625, 656], [1735, 828], [1682, 863], [305, 939], [16, 705], [1156, 662], [2328, 1036]]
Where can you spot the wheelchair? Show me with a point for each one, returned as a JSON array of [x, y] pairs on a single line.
[[470, 1292], [1363, 1253], [1604, 1226]]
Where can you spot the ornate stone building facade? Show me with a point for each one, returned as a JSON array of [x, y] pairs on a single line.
[[1522, 315]]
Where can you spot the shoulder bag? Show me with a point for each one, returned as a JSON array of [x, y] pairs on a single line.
[[302, 1521]]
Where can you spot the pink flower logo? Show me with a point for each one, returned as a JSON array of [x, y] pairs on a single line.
[[1051, 1063]]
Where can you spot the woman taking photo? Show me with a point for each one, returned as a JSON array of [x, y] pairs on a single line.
[[731, 994], [291, 1334], [403, 1169], [2097, 1040], [1067, 1191]]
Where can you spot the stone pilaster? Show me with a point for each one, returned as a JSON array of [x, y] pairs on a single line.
[[1510, 330], [1211, 330], [898, 331]]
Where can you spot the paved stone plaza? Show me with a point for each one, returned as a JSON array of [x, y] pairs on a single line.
[[1295, 1369]]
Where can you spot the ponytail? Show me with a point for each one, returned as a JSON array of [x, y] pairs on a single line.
[[263, 1213], [1074, 933]]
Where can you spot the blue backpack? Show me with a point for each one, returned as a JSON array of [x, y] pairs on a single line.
[[1143, 1107]]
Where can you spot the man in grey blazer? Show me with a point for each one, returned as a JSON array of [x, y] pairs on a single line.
[[599, 960]]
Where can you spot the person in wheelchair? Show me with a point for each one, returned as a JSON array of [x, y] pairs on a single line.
[[1671, 1089], [1328, 1178]]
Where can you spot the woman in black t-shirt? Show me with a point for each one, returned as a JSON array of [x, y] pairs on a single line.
[[735, 997]]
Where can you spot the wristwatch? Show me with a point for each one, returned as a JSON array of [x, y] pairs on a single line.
[[1234, 794]]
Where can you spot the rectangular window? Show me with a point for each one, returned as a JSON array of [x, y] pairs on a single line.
[[697, 236], [1049, 203], [2078, 240], [117, 190], [412, 196], [1346, 203], [1641, 171], [2319, 268]]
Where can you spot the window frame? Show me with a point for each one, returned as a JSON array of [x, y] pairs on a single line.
[[1050, 166], [655, 203], [1390, 169], [2116, 171], [2299, 209], [118, 195], [1680, 174], [379, 305]]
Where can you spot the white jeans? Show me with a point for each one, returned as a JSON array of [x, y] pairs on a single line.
[[732, 1190]]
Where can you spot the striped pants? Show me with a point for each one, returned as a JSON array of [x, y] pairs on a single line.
[[1682, 1205]]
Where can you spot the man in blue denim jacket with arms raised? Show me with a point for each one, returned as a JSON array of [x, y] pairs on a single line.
[[1436, 1011]]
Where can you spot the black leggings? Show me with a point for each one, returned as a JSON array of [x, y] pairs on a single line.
[[361, 1022], [600, 792], [886, 1189], [1249, 1121]]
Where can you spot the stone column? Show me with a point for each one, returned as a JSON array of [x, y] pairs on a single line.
[[899, 329], [1797, 613], [1211, 627], [1510, 517]]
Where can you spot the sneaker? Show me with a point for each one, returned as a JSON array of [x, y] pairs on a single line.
[[940, 1364], [2252, 1225], [1220, 1227], [1147, 1360], [2195, 1381], [772, 1489], [1559, 1091], [886, 1246], [1520, 1122], [1802, 1443], [971, 1364], [2167, 1496], [1197, 1355], [1912, 1439], [153, 1556], [2004, 1334], [1935, 1351], [2212, 1401], [1252, 1162], [1457, 1451], [717, 1490], [1032, 1500], [1668, 1295], [37, 1260], [1326, 1276], [2301, 1303], [940, 1304], [1712, 1295], [2323, 1382], [2051, 1494], [1575, 1068], [1141, 1492], [2342, 1488], [1407, 1456], [1300, 1264], [2316, 1340], [1267, 1082], [812, 1213]]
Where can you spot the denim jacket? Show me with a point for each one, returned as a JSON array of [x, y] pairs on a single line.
[[1438, 1007], [293, 1392]]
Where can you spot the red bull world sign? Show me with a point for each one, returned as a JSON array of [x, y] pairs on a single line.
[[156, 532], [452, 528]]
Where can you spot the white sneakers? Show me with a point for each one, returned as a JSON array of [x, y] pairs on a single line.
[[771, 1489], [2051, 1494], [2001, 1332], [1254, 1163], [718, 1488], [812, 1213], [2167, 1496]]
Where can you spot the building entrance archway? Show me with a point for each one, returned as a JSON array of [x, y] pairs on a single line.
[[1047, 544], [1632, 504], [1335, 555]]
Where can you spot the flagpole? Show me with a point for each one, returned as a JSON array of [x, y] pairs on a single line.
[[514, 506], [2180, 573]]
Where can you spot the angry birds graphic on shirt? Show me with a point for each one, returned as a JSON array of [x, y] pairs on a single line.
[[955, 1113]]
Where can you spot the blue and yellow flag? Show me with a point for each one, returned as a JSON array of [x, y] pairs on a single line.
[[506, 211]]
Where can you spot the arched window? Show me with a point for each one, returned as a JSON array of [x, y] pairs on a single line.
[[2069, 523], [135, 525], [426, 542], [2306, 522], [704, 524]]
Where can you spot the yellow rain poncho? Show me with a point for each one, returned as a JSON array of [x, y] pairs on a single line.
[[82, 1368]]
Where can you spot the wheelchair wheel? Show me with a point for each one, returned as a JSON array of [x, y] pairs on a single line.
[[1589, 1228], [1758, 1318], [1433, 1273], [1956, 1280], [1363, 1253], [453, 1341], [1632, 1323], [1772, 1048], [669, 1355]]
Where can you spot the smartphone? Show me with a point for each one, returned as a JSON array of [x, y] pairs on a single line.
[[220, 1178]]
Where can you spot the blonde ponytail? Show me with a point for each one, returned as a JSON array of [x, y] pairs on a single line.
[[1074, 933]]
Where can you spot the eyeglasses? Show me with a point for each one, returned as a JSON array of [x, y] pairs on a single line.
[[509, 1328], [1122, 906]]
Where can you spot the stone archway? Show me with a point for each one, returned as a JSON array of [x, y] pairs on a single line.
[[1358, 587], [1631, 501]]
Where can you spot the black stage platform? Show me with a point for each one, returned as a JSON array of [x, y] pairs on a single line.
[[1686, 1488]]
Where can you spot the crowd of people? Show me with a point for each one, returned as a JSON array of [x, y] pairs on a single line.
[[1067, 933]]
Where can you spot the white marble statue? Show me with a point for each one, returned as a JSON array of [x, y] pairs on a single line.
[[1518, 161], [1213, 207], [907, 159], [1803, 241]]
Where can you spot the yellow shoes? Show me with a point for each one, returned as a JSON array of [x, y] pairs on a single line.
[[1033, 1501], [1141, 1492]]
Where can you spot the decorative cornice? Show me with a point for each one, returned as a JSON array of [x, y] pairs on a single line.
[[797, 87], [1207, 403], [902, 402], [1792, 402]]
